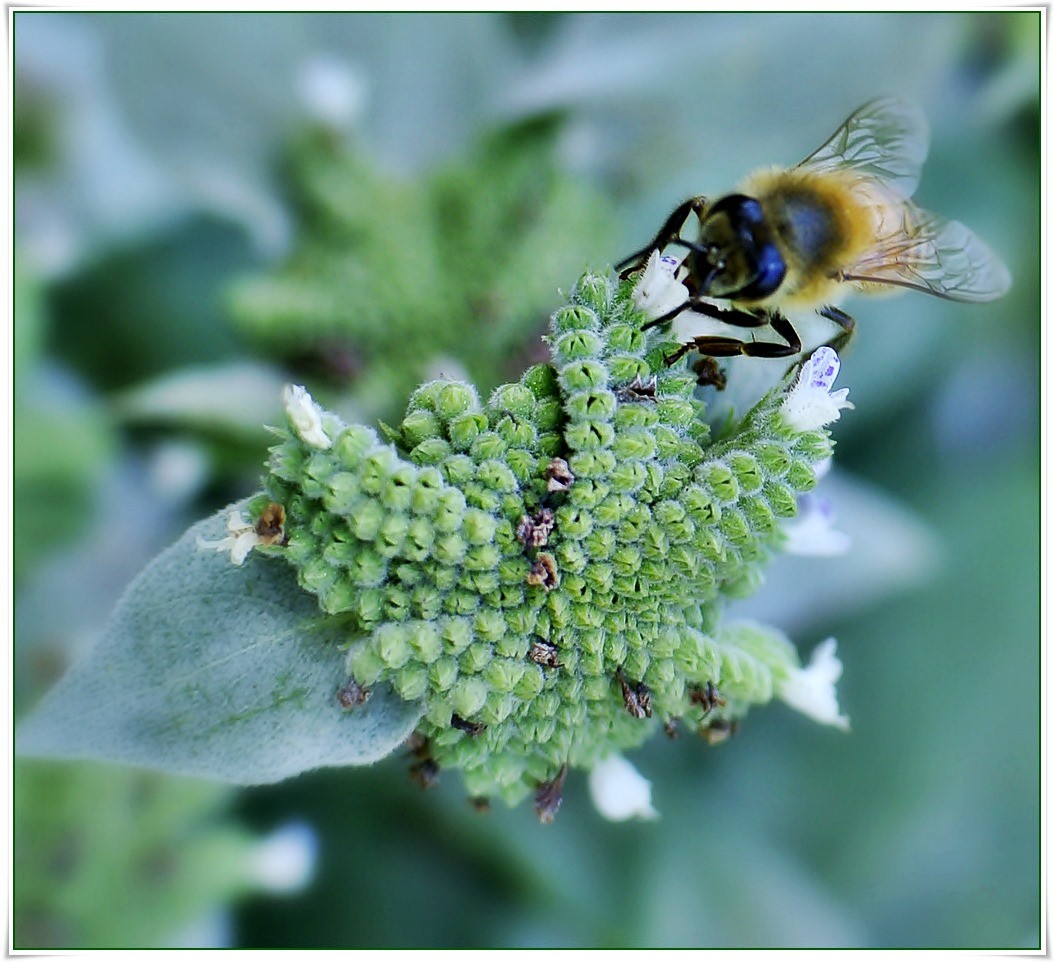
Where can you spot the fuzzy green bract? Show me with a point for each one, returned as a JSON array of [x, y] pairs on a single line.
[[526, 652]]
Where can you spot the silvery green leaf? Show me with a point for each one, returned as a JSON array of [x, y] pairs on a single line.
[[217, 671], [229, 399]]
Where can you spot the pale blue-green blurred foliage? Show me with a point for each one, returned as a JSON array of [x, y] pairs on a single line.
[[148, 171]]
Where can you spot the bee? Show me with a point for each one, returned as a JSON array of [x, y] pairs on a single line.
[[802, 238]]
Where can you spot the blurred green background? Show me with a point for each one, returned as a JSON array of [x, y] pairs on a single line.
[[208, 205]]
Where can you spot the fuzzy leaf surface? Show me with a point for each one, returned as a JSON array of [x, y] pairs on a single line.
[[217, 671]]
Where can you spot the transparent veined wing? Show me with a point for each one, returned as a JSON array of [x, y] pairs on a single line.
[[886, 140], [925, 252]]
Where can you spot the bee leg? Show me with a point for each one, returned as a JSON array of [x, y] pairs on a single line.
[[730, 346], [844, 321], [700, 306], [666, 234]]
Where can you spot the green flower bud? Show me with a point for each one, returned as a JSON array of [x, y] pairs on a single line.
[[575, 345], [476, 657], [530, 684], [411, 682], [450, 510], [426, 641], [515, 432], [419, 426], [504, 673], [456, 635], [578, 318], [467, 696], [455, 399], [496, 476], [595, 291], [590, 406], [584, 376], [634, 446], [549, 414], [775, 460], [442, 673], [734, 527], [515, 399], [759, 515], [365, 665], [589, 435], [427, 603], [489, 625], [365, 522], [397, 605], [677, 412], [624, 369], [352, 445], [489, 444], [722, 481], [801, 477], [780, 499], [466, 428], [392, 644], [592, 464], [458, 469], [343, 493]]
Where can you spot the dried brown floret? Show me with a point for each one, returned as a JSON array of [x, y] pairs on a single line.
[[352, 694], [534, 530], [543, 572], [706, 696], [549, 795], [558, 475], [636, 696], [270, 526], [544, 653], [637, 390]]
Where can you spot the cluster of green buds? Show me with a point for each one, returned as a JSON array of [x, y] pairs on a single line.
[[544, 571]]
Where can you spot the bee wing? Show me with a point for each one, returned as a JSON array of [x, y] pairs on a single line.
[[886, 140], [925, 252]]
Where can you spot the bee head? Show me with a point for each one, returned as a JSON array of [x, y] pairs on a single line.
[[740, 258]]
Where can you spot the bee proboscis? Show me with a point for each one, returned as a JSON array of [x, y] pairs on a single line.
[[839, 222]]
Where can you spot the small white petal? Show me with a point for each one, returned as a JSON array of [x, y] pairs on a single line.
[[332, 90], [809, 404], [242, 545], [812, 533], [659, 291], [810, 690], [285, 860], [619, 791], [241, 539], [305, 415]]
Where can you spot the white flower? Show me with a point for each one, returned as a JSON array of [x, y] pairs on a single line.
[[241, 539], [332, 90], [812, 533], [285, 860], [809, 404], [810, 690], [619, 791], [659, 291], [305, 415]]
